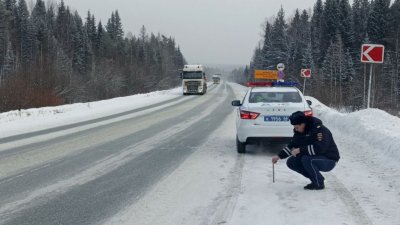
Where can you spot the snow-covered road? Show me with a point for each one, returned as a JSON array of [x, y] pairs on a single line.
[[175, 162]]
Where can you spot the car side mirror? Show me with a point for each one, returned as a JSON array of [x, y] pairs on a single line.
[[181, 75], [309, 102], [236, 103]]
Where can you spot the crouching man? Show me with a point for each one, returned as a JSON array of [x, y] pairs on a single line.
[[311, 150]]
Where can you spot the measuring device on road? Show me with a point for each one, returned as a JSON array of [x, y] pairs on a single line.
[[273, 172]]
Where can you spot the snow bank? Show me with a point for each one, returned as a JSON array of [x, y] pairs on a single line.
[[239, 90], [113, 105], [17, 122], [376, 127]]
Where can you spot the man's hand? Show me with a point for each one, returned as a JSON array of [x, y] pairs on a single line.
[[275, 159], [295, 152]]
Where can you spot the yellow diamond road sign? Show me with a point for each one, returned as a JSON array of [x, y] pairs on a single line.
[[266, 74]]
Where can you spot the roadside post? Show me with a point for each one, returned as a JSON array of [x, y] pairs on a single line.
[[372, 54], [281, 75], [305, 73]]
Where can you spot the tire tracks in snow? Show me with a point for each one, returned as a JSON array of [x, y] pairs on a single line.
[[373, 184], [355, 209], [224, 205]]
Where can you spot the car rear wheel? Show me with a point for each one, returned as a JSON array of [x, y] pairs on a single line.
[[241, 147]]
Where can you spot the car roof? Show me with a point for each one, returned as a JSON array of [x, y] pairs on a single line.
[[274, 89]]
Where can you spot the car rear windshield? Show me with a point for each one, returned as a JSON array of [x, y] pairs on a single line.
[[269, 97]]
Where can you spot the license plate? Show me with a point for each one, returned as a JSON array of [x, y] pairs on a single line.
[[276, 118]]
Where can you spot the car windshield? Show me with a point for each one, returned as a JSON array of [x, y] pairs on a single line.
[[269, 97], [193, 75]]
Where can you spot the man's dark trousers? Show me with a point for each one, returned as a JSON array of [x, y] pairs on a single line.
[[310, 167]]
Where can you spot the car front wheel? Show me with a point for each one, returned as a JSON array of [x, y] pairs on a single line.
[[241, 147]]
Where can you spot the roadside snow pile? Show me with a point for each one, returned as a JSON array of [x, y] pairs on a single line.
[[41, 112], [15, 122], [376, 127], [239, 90], [112, 105]]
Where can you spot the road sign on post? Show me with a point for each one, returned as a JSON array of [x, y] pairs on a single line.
[[280, 67], [281, 75], [373, 54], [306, 73], [266, 74]]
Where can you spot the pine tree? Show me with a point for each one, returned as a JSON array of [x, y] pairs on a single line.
[[330, 24], [10, 4], [3, 37], [317, 31], [266, 47], [63, 27], [299, 38], [346, 23], [51, 19], [378, 21], [258, 61], [91, 28], [118, 30], [9, 63], [143, 34], [307, 61], [110, 27], [295, 50], [278, 52], [361, 10], [394, 44], [78, 59], [25, 34], [42, 35]]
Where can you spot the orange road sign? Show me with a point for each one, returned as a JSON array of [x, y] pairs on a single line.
[[266, 74]]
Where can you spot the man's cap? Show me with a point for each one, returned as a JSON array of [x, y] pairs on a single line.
[[298, 118]]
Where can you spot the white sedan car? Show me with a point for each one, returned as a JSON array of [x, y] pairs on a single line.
[[265, 110]]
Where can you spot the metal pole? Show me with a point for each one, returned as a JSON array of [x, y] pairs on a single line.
[[365, 84], [370, 85], [304, 86]]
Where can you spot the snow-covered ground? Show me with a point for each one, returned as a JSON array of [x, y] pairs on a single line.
[[17, 122], [217, 186]]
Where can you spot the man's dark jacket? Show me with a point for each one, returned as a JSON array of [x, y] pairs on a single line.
[[316, 140]]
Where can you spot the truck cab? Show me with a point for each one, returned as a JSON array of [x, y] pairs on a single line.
[[217, 78], [194, 80]]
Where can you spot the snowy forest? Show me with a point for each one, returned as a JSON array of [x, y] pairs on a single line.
[[328, 40], [50, 55]]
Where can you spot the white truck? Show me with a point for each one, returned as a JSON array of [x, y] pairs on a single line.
[[194, 80], [217, 78]]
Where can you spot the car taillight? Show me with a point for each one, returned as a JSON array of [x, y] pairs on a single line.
[[246, 115], [308, 113]]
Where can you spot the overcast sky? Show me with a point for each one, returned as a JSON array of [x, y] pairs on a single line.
[[208, 31]]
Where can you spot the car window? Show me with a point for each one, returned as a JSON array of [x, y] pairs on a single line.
[[269, 97]]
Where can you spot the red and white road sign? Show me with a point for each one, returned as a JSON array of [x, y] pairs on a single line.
[[372, 53], [306, 73]]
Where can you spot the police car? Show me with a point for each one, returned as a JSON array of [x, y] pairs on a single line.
[[265, 110]]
